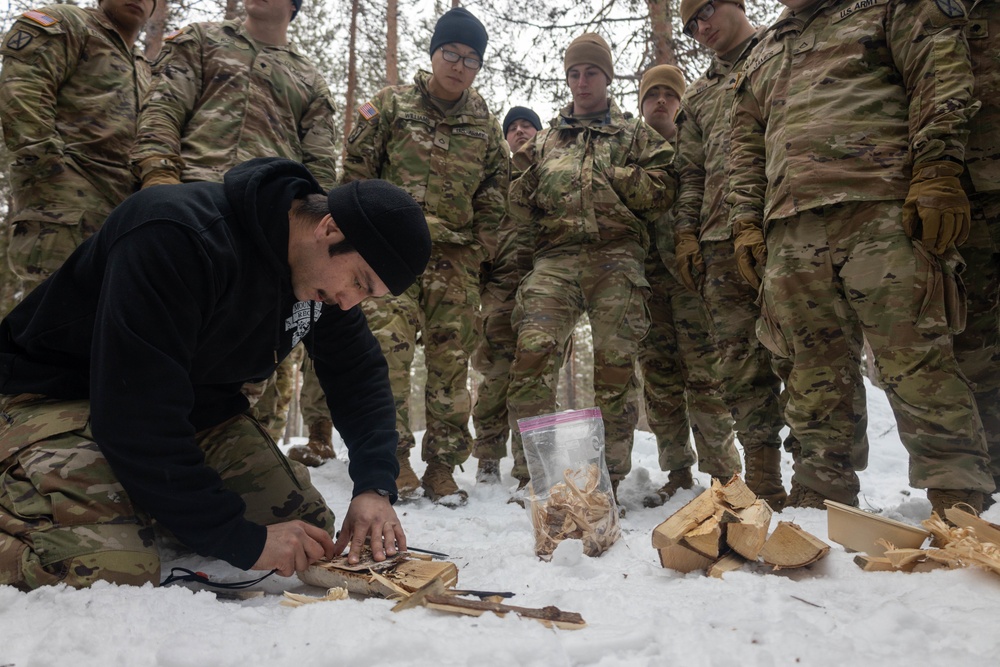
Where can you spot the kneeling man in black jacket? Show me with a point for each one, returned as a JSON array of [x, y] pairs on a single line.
[[121, 376]]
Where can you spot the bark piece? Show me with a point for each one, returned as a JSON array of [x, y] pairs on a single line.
[[789, 547], [749, 535]]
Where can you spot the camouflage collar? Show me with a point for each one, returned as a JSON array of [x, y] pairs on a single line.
[[721, 67], [238, 28], [614, 120], [790, 22], [102, 18], [474, 109]]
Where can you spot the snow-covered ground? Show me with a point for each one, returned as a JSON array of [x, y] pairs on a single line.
[[637, 613]]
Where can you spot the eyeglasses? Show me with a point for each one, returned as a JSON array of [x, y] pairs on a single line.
[[452, 57], [705, 13]]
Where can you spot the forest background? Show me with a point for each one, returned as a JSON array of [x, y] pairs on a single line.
[[361, 46]]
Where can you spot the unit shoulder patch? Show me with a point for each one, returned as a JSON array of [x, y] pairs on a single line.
[[953, 9], [18, 40]]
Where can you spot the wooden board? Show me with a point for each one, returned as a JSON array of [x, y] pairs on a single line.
[[404, 577]]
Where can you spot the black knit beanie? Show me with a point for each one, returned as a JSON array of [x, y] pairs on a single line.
[[298, 6], [459, 26], [386, 226], [521, 113]]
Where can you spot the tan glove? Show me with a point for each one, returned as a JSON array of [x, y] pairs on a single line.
[[936, 211], [157, 171], [751, 253], [690, 263]]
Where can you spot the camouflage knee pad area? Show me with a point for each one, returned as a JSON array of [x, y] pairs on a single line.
[[64, 517]]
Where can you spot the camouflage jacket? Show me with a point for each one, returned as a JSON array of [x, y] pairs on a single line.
[[513, 259], [703, 148], [591, 183], [70, 91], [220, 98], [982, 156], [455, 165], [843, 102]]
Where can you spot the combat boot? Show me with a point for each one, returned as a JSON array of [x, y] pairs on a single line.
[[406, 481], [319, 449], [803, 496], [520, 495], [763, 475], [676, 480], [614, 492], [942, 499], [488, 472], [439, 485]]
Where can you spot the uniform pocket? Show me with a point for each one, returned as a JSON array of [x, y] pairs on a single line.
[[939, 293], [769, 332]]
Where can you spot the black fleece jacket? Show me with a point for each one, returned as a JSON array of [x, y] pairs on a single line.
[[184, 295]]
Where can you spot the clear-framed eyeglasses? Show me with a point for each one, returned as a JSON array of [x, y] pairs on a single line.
[[452, 57], [705, 13]]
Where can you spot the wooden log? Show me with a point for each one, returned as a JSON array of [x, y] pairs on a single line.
[[706, 539], [679, 557], [402, 577], [728, 563], [673, 530], [748, 536], [874, 563], [789, 547], [736, 493]]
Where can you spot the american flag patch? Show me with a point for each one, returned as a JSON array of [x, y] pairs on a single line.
[[368, 111], [40, 18]]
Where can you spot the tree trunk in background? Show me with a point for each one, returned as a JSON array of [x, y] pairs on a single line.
[[661, 32], [155, 27], [352, 69], [391, 43], [232, 9]]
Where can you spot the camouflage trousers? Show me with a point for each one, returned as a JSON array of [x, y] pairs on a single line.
[[679, 365], [750, 386], [838, 272], [978, 347], [312, 400], [10, 284], [493, 358], [271, 408], [65, 518], [37, 248], [607, 282], [441, 308]]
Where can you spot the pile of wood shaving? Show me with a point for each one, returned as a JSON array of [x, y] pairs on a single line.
[[297, 600], [587, 514]]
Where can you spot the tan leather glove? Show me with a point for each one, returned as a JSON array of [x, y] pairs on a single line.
[[936, 211], [157, 171], [751, 253], [690, 263]]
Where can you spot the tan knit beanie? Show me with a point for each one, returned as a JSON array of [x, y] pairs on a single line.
[[662, 75], [689, 8], [589, 49]]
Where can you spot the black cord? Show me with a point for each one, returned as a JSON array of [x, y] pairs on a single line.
[[202, 578]]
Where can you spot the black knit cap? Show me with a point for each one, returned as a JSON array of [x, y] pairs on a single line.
[[521, 113], [298, 6], [459, 26], [386, 226]]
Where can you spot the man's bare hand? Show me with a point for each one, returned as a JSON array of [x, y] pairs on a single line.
[[293, 546], [371, 516]]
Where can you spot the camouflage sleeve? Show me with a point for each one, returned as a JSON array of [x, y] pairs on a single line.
[[747, 157], [930, 50], [319, 136], [37, 60], [488, 204], [690, 165], [647, 183], [366, 145], [521, 193], [175, 90]]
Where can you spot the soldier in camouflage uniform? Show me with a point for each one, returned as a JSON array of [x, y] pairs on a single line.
[[978, 347], [70, 90], [227, 92], [438, 140], [704, 249], [679, 361], [590, 185], [495, 351], [849, 128]]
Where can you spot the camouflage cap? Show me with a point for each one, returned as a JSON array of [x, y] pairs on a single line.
[[386, 226], [662, 75]]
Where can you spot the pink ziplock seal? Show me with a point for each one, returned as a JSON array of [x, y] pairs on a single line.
[[543, 421]]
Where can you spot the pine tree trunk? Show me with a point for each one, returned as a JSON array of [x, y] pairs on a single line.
[[662, 32], [232, 9], [391, 43], [352, 69]]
